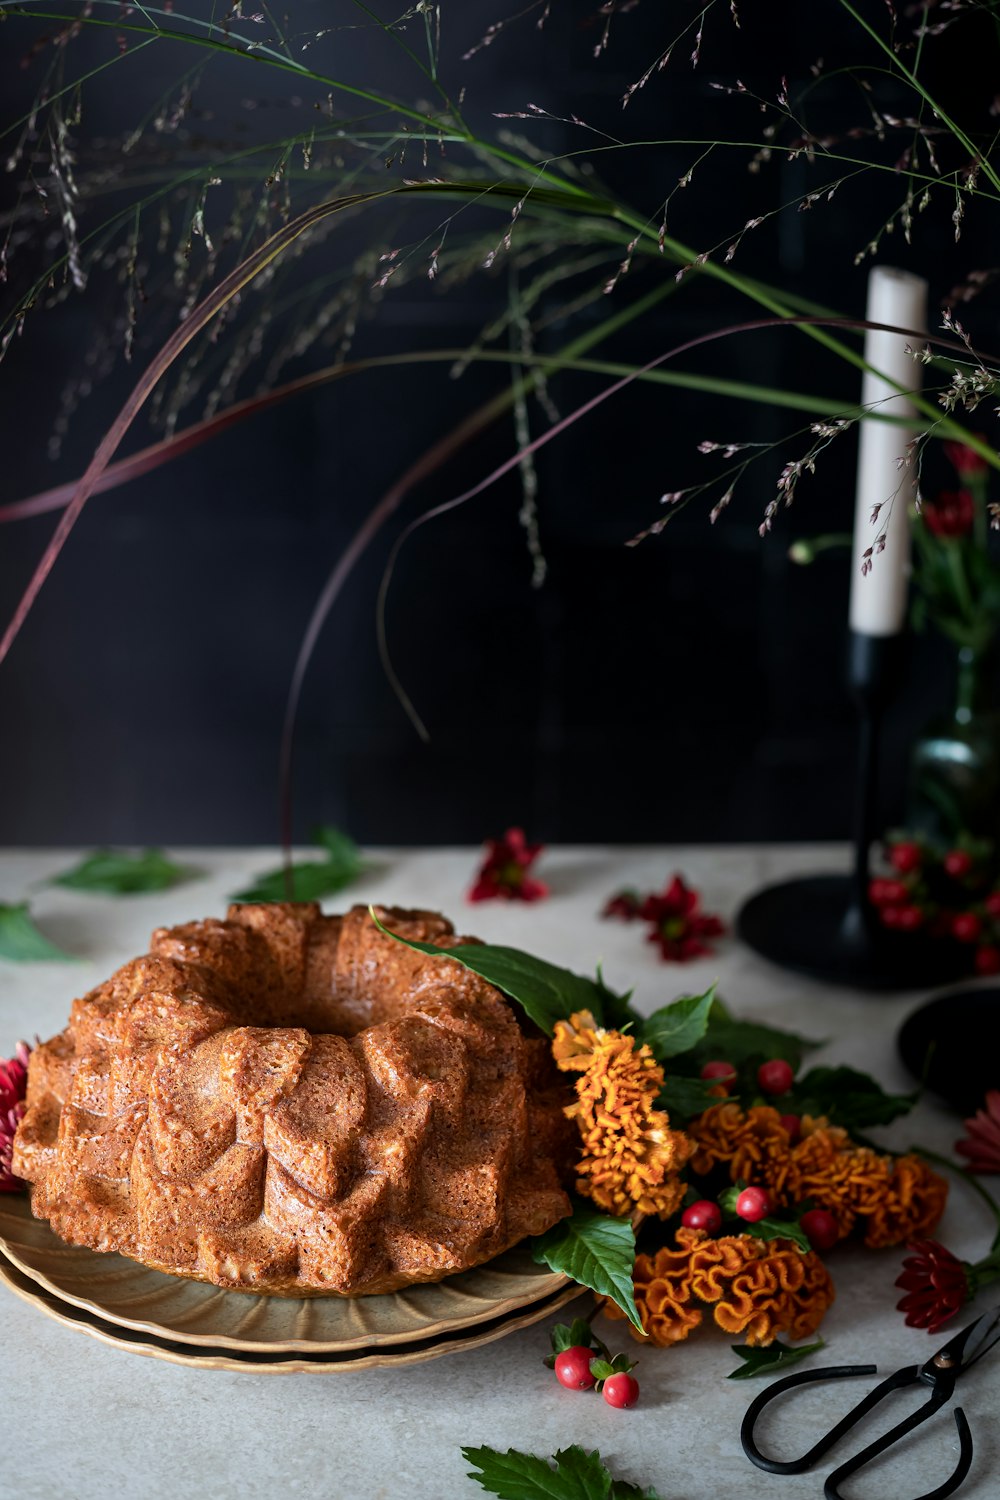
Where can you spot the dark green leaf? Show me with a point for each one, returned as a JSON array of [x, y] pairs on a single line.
[[545, 992], [683, 1098], [577, 1476], [761, 1361], [21, 941], [119, 874], [313, 879], [601, 1368], [739, 1041], [595, 1250], [678, 1027], [778, 1229], [849, 1098], [572, 1335]]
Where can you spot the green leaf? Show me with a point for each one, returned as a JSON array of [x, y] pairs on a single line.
[[21, 941], [545, 992], [595, 1250], [683, 1098], [313, 879], [571, 1335], [849, 1098], [778, 1229], [577, 1476], [761, 1361], [678, 1027], [740, 1041], [121, 874]]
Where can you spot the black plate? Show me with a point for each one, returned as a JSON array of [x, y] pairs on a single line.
[[951, 1045]]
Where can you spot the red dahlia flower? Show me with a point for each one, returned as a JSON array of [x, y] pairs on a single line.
[[627, 905], [966, 460], [504, 874], [936, 1284], [951, 514], [981, 1147], [677, 924], [13, 1082]]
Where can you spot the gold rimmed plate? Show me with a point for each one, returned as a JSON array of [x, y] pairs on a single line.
[[141, 1342], [121, 1292]]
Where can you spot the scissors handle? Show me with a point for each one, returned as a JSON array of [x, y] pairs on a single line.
[[911, 1375], [804, 1377], [831, 1489]]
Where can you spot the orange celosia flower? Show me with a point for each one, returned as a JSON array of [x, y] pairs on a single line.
[[754, 1143], [895, 1199], [758, 1288], [631, 1158], [911, 1207]]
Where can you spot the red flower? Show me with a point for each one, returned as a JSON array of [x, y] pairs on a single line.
[[504, 871], [677, 924], [626, 905], [936, 1284], [966, 460], [13, 1082], [981, 1147], [952, 514]]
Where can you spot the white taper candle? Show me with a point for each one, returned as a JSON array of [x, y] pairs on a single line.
[[878, 593]]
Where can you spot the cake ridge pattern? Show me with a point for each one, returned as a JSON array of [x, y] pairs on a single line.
[[296, 1104]]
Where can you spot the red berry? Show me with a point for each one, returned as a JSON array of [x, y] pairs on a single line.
[[905, 857], [722, 1072], [620, 1390], [909, 918], [992, 903], [776, 1076], [753, 1204], [703, 1215], [889, 916], [572, 1368], [793, 1125], [987, 959], [957, 864], [887, 892], [966, 927], [820, 1228]]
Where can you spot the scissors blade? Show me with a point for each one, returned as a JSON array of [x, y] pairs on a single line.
[[972, 1343]]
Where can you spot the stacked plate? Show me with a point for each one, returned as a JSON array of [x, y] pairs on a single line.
[[189, 1323]]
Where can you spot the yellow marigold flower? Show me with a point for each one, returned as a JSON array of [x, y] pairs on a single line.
[[631, 1158], [911, 1206]]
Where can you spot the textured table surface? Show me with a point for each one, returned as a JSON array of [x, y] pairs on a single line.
[[82, 1420]]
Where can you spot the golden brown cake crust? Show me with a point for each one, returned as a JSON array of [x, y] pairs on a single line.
[[296, 1104]]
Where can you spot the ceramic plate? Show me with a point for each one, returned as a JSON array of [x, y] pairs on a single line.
[[120, 1291], [207, 1358]]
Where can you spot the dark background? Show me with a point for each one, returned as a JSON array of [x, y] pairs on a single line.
[[690, 688]]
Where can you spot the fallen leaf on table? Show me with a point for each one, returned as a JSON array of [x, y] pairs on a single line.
[[116, 872], [20, 940], [577, 1476]]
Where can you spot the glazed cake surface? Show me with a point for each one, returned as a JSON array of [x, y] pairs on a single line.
[[291, 1103]]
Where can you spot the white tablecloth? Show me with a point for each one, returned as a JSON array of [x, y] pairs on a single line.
[[83, 1420]]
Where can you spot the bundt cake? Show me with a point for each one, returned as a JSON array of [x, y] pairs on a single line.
[[291, 1103]]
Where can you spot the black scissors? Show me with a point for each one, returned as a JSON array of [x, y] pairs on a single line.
[[939, 1373]]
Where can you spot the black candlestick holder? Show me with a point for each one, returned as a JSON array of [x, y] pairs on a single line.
[[824, 925]]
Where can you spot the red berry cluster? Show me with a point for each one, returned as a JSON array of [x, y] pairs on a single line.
[[582, 1363], [948, 895]]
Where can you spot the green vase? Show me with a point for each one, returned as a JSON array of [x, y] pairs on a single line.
[[954, 784]]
